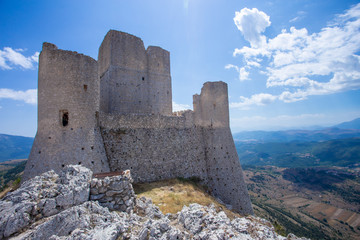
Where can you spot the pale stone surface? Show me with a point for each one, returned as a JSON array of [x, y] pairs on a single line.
[[116, 114], [43, 196], [115, 193], [86, 221]]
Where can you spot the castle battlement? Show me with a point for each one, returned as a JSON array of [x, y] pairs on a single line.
[[115, 114]]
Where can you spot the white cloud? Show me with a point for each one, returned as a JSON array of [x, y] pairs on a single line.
[[260, 99], [251, 23], [10, 57], [230, 66], [304, 64], [28, 96], [35, 57], [243, 74], [300, 16], [180, 107]]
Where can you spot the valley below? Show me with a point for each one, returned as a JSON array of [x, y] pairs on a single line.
[[318, 203]]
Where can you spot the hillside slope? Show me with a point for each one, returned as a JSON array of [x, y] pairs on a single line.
[[354, 124], [318, 203], [14, 147]]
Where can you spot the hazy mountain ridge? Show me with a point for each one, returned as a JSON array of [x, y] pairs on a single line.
[[14, 147], [344, 130], [354, 124], [338, 152]]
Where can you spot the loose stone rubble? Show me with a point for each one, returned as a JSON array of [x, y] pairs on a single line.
[[115, 193], [58, 207]]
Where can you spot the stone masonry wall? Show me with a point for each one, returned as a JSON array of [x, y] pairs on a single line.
[[164, 151], [114, 192], [225, 174]]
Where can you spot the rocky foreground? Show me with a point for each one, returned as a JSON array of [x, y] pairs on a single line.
[[74, 205]]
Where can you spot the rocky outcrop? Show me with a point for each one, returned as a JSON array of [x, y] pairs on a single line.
[[58, 207], [43, 196]]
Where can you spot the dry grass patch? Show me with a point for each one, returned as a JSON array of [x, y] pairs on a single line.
[[171, 195]]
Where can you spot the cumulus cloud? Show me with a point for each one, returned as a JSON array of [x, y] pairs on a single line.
[[304, 64], [260, 99], [251, 23], [179, 107], [10, 58], [243, 74], [28, 96]]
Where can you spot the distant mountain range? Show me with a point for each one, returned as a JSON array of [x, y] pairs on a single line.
[[335, 146], [14, 147], [341, 131], [338, 152]]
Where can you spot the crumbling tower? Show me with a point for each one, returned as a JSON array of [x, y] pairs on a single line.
[[224, 172], [132, 79], [68, 105]]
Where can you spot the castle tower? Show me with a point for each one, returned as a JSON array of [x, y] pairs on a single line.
[[224, 172], [211, 108], [68, 105], [132, 79]]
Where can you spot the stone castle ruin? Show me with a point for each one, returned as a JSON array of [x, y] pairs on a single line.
[[116, 114]]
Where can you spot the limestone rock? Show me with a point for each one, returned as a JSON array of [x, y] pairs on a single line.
[[43, 196], [86, 221]]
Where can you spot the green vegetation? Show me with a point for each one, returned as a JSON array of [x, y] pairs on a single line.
[[285, 222], [11, 176]]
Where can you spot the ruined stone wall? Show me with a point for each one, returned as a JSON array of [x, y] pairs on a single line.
[[114, 192], [154, 147], [132, 79], [68, 105]]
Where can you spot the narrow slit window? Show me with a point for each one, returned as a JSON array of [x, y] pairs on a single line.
[[64, 118]]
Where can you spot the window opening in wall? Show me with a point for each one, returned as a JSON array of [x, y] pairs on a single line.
[[64, 118], [143, 78], [85, 87]]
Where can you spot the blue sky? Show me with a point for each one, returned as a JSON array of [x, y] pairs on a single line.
[[288, 64]]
